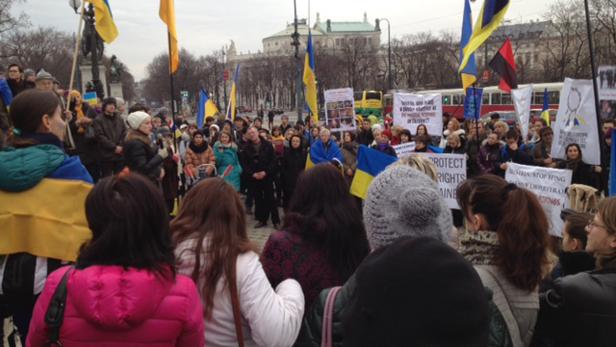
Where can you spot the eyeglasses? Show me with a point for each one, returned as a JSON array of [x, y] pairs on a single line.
[[592, 224]]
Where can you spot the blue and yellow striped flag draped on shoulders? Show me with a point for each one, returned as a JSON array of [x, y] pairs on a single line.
[[232, 108], [469, 73], [370, 163], [490, 18], [105, 26], [310, 81], [166, 13]]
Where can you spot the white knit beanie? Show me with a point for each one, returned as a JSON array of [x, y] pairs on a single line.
[[136, 118], [402, 201]]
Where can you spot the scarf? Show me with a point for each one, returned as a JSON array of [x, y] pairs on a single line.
[[198, 149], [44, 139], [78, 108], [479, 247]]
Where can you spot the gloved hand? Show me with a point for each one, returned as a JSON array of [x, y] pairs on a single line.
[[163, 152]]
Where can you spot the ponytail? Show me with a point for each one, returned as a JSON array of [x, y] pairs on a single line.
[[516, 216]]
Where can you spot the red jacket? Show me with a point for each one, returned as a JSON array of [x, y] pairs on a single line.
[[111, 306]]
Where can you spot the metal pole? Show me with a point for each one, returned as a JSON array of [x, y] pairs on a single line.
[[298, 87], [94, 53], [75, 54], [391, 83], [224, 80], [594, 82]]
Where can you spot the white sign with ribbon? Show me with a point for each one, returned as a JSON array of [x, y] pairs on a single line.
[[411, 110], [451, 170], [576, 122], [522, 99], [404, 149], [550, 187]]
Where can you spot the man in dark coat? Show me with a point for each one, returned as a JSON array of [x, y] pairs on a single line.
[[364, 135], [110, 134], [259, 163]]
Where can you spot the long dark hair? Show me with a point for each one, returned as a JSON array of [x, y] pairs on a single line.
[[323, 212], [27, 111], [222, 220], [518, 219], [130, 228]]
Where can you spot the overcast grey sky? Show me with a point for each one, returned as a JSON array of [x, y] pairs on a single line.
[[206, 25]]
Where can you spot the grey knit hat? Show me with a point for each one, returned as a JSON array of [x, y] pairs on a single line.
[[44, 75], [402, 201]]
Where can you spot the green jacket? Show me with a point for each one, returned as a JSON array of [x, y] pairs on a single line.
[[23, 168], [310, 334]]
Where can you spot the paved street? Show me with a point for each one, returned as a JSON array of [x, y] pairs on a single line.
[[259, 236]]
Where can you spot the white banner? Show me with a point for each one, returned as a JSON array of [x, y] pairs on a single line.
[[339, 109], [404, 149], [522, 99], [607, 82], [451, 170], [549, 185], [411, 110], [576, 122]]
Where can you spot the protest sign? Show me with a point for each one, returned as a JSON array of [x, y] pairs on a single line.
[[451, 170], [607, 82], [411, 110], [549, 185], [339, 109], [472, 103], [404, 149], [576, 122], [522, 98]]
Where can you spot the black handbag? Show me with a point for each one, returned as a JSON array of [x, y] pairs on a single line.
[[55, 311]]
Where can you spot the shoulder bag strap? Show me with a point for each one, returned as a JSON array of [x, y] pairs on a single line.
[[237, 316], [328, 317], [55, 311]]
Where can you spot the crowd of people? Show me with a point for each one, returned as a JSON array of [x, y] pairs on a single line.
[[130, 228]]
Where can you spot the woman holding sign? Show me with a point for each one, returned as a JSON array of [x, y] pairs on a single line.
[[582, 172]]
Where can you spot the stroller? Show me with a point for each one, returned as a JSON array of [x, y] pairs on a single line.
[[192, 179]]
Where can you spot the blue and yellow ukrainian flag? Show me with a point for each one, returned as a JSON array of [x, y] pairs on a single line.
[[206, 107], [490, 18], [370, 163], [545, 112], [469, 73], [232, 108], [105, 26], [310, 81]]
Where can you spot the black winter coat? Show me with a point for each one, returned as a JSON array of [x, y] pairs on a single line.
[[293, 164], [581, 308], [110, 132], [141, 157], [365, 137], [254, 161]]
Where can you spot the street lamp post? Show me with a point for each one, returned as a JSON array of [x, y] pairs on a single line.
[[225, 75], [298, 87], [390, 76]]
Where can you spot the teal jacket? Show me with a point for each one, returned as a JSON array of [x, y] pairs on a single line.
[[226, 156], [23, 168]]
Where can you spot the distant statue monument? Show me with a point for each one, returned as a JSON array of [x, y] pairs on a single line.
[[86, 46], [115, 70]]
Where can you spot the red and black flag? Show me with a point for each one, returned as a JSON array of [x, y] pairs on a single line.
[[503, 64]]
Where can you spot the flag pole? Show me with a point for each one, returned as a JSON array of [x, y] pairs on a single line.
[[172, 88], [75, 54]]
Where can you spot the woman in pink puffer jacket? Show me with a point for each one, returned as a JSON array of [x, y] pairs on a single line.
[[123, 291]]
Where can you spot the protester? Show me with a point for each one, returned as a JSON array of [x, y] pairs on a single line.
[[6, 97], [123, 290], [199, 153], [382, 144], [270, 119], [394, 135], [15, 79], [284, 125], [258, 123], [453, 127], [259, 162], [581, 309], [421, 144], [110, 135], [405, 136], [213, 133], [225, 152], [313, 135], [494, 117], [170, 181], [490, 156], [323, 240], [350, 150], [293, 164], [44, 81], [454, 144], [364, 135], [213, 248], [501, 128], [508, 246], [543, 147], [582, 173], [139, 154], [398, 304], [82, 130], [421, 130], [34, 153], [325, 150], [513, 151], [472, 148]]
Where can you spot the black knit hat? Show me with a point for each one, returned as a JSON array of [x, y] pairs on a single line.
[[417, 292], [109, 101]]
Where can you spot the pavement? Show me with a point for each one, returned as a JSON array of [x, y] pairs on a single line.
[[259, 236]]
